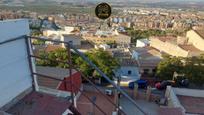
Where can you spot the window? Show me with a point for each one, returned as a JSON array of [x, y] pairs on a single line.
[[71, 42], [129, 72], [154, 70], [146, 71]]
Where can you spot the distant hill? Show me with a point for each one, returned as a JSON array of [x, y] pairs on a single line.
[[96, 1]]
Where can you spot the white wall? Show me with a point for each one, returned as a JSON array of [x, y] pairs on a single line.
[[76, 41], [15, 76], [135, 55], [189, 92], [58, 32], [142, 43], [68, 29], [123, 72], [172, 99]]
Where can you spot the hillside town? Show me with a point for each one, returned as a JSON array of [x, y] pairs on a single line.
[[140, 61]]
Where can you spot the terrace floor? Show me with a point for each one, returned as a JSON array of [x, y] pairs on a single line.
[[40, 104], [85, 107], [193, 105]]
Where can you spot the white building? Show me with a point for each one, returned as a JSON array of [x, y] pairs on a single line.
[[72, 39], [66, 30], [142, 43], [103, 46], [65, 35], [17, 83], [15, 75], [128, 72]]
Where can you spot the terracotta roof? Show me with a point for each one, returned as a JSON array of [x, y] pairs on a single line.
[[166, 38], [129, 62], [190, 48], [149, 63], [200, 32], [148, 53]]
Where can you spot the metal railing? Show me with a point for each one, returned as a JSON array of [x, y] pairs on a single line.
[[83, 76], [71, 47]]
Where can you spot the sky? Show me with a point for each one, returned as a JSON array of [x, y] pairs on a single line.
[[142, 1], [149, 0]]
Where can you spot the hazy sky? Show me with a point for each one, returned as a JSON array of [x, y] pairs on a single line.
[[152, 0], [143, 0]]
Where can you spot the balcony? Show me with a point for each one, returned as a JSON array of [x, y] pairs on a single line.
[[28, 89]]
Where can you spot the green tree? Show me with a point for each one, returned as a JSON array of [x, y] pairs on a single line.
[[38, 42], [53, 56], [36, 33], [100, 58], [168, 66], [191, 67], [139, 34], [194, 70]]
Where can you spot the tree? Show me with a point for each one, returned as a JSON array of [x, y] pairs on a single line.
[[194, 70], [191, 67], [168, 66], [53, 56], [101, 59], [139, 34], [38, 42]]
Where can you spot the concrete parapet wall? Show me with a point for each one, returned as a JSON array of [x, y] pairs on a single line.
[[173, 100], [189, 92]]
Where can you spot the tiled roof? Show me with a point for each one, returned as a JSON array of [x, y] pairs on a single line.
[[200, 32], [129, 62], [149, 63], [166, 38], [190, 48]]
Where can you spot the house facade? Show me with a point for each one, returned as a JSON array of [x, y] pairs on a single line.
[[128, 71]]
